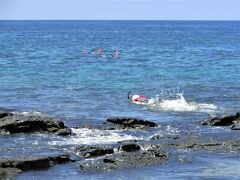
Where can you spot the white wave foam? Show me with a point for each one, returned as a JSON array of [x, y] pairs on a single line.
[[94, 136], [32, 113], [180, 105]]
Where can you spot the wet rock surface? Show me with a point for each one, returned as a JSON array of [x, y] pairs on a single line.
[[9, 173], [224, 121], [11, 167], [4, 113], [136, 157], [129, 122], [13, 124]]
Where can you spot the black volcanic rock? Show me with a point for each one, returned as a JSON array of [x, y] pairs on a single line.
[[224, 121], [92, 151], [130, 147], [33, 163], [219, 121], [9, 168], [4, 113], [32, 124], [131, 122], [126, 160]]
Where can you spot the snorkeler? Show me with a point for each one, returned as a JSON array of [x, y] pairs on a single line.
[[84, 52], [138, 99]]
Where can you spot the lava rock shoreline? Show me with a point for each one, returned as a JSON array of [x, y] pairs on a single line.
[[126, 154]]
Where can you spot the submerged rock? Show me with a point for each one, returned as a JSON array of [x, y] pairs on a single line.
[[13, 124], [131, 122]]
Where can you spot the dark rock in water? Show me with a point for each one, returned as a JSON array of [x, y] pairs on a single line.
[[25, 164], [108, 160], [32, 124], [4, 113], [157, 137], [220, 121], [126, 160], [98, 152], [131, 122], [130, 147], [9, 173], [89, 152]]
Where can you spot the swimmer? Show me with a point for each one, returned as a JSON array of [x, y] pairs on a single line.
[[92, 51], [116, 54], [84, 52], [137, 99]]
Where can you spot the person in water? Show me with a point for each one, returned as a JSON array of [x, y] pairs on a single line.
[[138, 99]]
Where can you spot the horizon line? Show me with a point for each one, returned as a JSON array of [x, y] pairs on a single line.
[[119, 20]]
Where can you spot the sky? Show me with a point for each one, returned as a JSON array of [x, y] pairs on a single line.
[[119, 9]]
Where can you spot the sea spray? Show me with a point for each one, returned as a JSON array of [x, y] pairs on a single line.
[[179, 104]]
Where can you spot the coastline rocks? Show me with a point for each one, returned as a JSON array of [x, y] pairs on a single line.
[[128, 122], [89, 152], [219, 121], [130, 147], [12, 124], [9, 168], [9, 173], [131, 158], [25, 164], [224, 121], [4, 113]]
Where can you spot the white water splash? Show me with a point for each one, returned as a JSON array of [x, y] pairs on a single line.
[[94, 136], [32, 113], [180, 105]]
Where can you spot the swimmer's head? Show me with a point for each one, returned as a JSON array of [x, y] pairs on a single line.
[[135, 97]]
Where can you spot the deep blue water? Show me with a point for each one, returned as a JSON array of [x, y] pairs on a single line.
[[193, 66]]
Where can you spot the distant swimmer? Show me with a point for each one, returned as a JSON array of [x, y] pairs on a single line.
[[99, 51], [92, 51], [116, 55], [84, 52], [137, 99]]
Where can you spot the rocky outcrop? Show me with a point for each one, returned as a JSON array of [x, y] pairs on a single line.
[[13, 124], [128, 122], [233, 121], [130, 147], [9, 168], [4, 113], [25, 164], [89, 152], [130, 158], [9, 173]]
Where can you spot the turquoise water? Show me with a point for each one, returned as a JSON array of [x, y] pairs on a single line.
[[192, 66]]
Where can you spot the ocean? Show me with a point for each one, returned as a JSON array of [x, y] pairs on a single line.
[[190, 70]]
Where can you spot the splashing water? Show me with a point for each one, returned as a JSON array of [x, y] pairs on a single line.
[[94, 136], [180, 105]]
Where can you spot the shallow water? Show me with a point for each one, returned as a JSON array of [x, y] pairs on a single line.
[[190, 70]]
